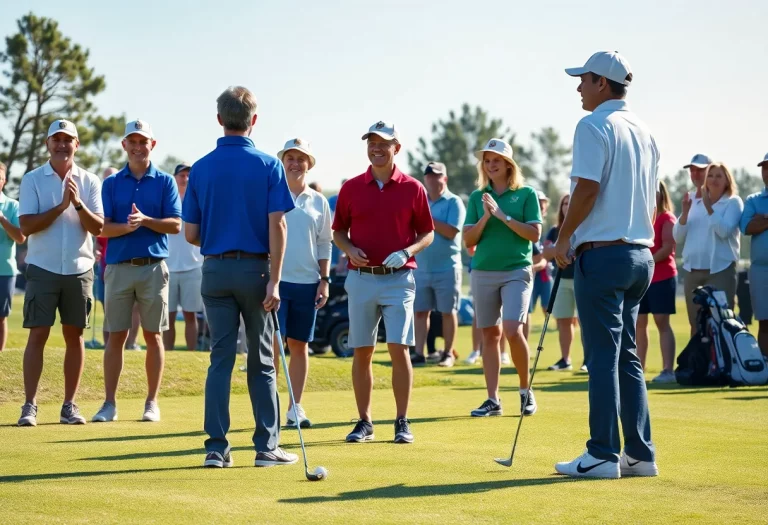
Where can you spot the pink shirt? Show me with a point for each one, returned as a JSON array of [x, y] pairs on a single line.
[[667, 268]]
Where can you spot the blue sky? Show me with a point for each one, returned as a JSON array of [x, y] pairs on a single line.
[[326, 70]]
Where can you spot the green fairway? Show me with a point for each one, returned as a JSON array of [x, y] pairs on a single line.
[[712, 451]]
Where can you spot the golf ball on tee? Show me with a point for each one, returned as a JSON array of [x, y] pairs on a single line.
[[321, 473]]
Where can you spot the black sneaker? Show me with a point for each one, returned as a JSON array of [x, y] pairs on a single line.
[[446, 359], [403, 431], [418, 360], [218, 460], [488, 408], [363, 431], [561, 365], [70, 415], [435, 357], [275, 458], [530, 408]]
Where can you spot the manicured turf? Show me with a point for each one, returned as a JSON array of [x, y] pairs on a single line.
[[712, 452]]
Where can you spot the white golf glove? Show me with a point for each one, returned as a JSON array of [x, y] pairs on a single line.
[[396, 260]]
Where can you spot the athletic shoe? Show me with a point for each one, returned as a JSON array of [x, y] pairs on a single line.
[[446, 359], [584, 368], [561, 365], [28, 415], [531, 407], [70, 415], [151, 411], [473, 357], [435, 357], [303, 421], [488, 408], [363, 431], [218, 460], [588, 466], [634, 467], [505, 360], [275, 458], [134, 347], [666, 376], [418, 360], [107, 412], [403, 431]]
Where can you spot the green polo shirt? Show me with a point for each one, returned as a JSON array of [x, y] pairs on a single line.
[[500, 248], [9, 208]]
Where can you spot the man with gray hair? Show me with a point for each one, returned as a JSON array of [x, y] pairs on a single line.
[[234, 210]]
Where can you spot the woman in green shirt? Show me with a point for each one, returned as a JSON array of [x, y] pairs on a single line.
[[503, 221]]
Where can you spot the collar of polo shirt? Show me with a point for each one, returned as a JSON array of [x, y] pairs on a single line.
[[151, 171], [48, 169], [612, 105], [397, 175]]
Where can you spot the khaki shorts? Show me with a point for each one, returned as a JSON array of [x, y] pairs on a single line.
[[565, 301], [46, 291], [184, 291], [492, 290], [145, 285], [758, 289]]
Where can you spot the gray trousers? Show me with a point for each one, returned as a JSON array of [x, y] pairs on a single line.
[[232, 288]]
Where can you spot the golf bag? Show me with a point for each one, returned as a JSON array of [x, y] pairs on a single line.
[[722, 352]]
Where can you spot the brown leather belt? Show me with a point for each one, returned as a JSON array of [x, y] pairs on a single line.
[[239, 255], [142, 261], [583, 247], [378, 270]]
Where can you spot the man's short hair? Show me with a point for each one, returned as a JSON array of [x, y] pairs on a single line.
[[236, 107], [3, 168], [617, 89]]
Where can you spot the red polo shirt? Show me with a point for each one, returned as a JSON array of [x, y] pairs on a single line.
[[382, 221]]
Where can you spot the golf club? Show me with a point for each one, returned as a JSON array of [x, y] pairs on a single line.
[[93, 343], [320, 473], [508, 461]]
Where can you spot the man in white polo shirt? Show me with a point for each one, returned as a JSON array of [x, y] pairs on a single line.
[[185, 266], [609, 224], [59, 210]]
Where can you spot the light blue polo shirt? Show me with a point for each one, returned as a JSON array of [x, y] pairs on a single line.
[[444, 254], [756, 203], [10, 209]]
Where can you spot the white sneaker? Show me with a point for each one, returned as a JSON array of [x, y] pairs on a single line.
[[473, 357], [588, 466], [303, 421], [151, 411], [666, 376], [505, 360], [107, 412], [634, 467]]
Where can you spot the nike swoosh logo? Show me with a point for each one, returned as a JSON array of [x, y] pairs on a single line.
[[632, 464], [582, 470]]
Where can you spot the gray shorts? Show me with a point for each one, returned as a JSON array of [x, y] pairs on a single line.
[[145, 285], [758, 291], [47, 291], [437, 291], [492, 290], [184, 291], [372, 297]]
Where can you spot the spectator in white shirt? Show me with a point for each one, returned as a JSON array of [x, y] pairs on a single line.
[[698, 170], [306, 269], [709, 229], [185, 267]]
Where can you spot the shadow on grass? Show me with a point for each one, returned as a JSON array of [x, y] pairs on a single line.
[[404, 491], [112, 439], [20, 478], [748, 398]]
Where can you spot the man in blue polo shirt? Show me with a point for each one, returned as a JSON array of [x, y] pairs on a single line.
[[234, 210], [141, 207], [438, 273]]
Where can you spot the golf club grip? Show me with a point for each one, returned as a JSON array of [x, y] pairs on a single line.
[[555, 286], [275, 321]]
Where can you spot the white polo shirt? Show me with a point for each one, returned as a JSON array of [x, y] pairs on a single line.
[[65, 247], [309, 238], [616, 149], [182, 256], [711, 242]]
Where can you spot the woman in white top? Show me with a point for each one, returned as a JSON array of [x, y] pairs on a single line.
[[306, 268], [709, 230]]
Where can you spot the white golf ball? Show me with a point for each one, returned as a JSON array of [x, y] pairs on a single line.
[[321, 473]]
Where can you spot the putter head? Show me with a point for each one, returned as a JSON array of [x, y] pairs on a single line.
[[507, 462], [319, 474]]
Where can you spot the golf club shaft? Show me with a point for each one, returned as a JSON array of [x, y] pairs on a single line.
[[279, 338], [551, 303]]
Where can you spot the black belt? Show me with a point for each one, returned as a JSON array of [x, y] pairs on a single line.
[[583, 247], [378, 270], [239, 255], [142, 261]]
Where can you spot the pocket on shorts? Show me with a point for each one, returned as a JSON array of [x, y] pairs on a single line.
[[29, 308]]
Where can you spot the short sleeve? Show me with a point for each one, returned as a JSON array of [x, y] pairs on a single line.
[[13, 216], [341, 215], [94, 196], [171, 200], [422, 216], [589, 153], [106, 196], [473, 215], [456, 213], [531, 209], [279, 197], [29, 203], [748, 214]]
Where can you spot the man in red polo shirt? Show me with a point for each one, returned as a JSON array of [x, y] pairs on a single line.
[[382, 220]]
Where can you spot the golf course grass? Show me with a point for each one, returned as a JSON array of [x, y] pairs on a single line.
[[712, 449]]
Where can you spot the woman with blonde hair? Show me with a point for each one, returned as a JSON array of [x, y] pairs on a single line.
[[709, 228], [503, 221], [659, 299]]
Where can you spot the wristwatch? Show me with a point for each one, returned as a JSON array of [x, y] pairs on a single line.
[[508, 218], [326, 278], [80, 207], [407, 254]]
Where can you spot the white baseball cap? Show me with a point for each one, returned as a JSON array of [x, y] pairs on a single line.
[[385, 130], [62, 126], [298, 145], [138, 126], [765, 161], [608, 64], [699, 160], [496, 146]]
